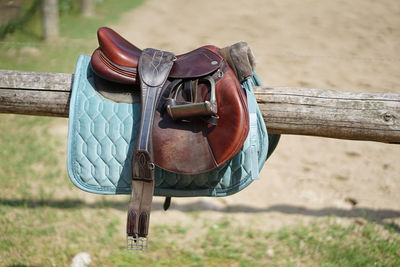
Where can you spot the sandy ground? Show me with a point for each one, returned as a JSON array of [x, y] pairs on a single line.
[[339, 45]]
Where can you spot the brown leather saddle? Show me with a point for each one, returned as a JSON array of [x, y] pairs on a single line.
[[194, 114]]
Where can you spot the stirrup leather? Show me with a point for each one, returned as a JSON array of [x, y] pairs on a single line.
[[154, 68]]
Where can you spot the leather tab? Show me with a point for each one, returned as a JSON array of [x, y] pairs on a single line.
[[143, 224], [130, 225], [167, 203], [143, 166]]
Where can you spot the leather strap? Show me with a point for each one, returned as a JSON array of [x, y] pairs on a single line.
[[154, 68]]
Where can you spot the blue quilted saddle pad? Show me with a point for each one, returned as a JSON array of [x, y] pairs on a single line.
[[102, 137]]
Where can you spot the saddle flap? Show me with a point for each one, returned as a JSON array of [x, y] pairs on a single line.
[[197, 63], [193, 146]]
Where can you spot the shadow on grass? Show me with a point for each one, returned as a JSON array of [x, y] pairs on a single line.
[[62, 204], [374, 215]]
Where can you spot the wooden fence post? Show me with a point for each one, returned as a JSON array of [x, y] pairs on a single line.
[[286, 110]]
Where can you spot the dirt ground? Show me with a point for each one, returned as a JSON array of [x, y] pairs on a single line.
[[339, 45]]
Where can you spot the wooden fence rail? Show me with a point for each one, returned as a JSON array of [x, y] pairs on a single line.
[[302, 111]]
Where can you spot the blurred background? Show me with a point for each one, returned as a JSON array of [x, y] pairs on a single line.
[[318, 201]]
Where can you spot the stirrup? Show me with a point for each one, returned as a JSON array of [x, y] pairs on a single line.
[[136, 243]]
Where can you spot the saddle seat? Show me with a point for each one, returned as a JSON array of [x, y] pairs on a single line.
[[120, 58]]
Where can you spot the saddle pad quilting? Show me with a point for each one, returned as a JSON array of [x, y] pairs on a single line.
[[102, 136]]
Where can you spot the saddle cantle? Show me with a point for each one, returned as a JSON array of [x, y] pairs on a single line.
[[198, 133]]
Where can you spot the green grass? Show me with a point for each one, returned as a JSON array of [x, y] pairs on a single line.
[[25, 151], [24, 49], [43, 221], [50, 229], [106, 12]]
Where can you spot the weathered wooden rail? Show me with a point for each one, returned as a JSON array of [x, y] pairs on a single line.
[[303, 111]]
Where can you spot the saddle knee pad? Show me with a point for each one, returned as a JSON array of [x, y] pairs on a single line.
[[102, 136]]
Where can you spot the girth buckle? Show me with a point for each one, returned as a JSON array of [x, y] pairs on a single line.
[[137, 243]]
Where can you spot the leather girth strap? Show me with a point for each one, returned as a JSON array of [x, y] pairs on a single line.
[[154, 67]]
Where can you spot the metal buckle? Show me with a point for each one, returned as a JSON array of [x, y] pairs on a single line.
[[136, 243]]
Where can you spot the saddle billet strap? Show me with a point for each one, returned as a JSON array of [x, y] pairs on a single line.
[[154, 68], [139, 215]]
